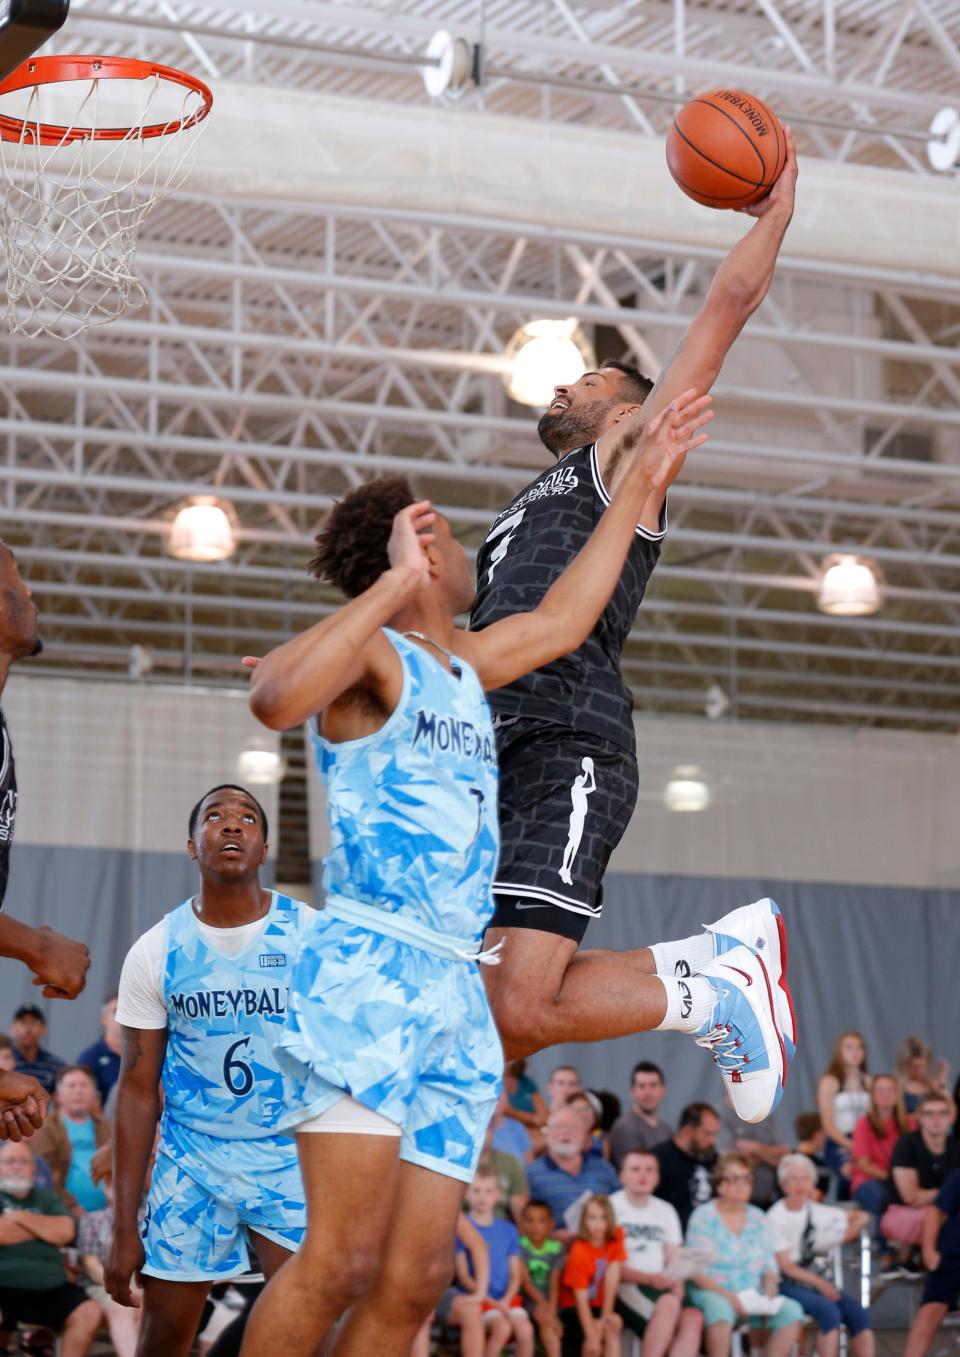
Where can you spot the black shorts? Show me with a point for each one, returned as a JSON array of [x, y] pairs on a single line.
[[943, 1285], [48, 1309], [566, 798]]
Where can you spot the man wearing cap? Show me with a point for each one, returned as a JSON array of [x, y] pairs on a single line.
[[28, 1029], [59, 964]]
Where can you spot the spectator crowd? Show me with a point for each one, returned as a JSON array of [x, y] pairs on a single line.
[[585, 1221]]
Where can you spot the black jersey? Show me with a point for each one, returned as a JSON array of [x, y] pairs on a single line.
[[530, 544], [8, 804]]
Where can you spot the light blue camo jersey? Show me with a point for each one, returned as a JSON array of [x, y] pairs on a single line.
[[222, 1167], [220, 1074], [381, 1008]]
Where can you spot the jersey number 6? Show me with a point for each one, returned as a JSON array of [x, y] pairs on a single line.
[[241, 1087]]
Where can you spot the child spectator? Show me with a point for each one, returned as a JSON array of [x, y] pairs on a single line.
[[8, 1056], [843, 1096], [501, 1313], [874, 1138], [588, 1290], [941, 1255], [649, 1302], [542, 1265]]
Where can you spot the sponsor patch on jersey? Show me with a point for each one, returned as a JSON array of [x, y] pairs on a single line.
[[273, 958]]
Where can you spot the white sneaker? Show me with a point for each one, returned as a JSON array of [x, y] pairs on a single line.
[[761, 927], [742, 1033]]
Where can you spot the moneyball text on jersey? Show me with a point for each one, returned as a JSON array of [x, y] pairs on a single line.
[[530, 544]]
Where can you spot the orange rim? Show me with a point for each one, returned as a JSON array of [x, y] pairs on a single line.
[[58, 69]]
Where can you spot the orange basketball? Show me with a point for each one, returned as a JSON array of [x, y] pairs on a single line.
[[725, 149]]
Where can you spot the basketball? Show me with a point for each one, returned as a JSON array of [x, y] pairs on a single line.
[[725, 149]]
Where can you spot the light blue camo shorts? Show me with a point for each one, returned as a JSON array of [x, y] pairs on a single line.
[[208, 1191], [402, 1030]]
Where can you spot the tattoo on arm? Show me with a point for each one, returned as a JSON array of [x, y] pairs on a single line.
[[132, 1048]]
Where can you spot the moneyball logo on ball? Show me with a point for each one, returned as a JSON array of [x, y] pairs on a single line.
[[726, 149]]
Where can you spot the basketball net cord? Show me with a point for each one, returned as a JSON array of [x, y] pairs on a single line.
[[70, 227]]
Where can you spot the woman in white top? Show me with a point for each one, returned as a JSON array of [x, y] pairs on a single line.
[[803, 1232], [843, 1097]]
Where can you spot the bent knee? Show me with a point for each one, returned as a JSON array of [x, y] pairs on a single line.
[[86, 1316], [519, 1022], [347, 1273]]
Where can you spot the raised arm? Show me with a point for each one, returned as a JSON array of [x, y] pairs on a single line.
[[739, 286], [135, 1129], [569, 609]]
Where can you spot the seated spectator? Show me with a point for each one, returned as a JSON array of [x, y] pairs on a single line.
[[35, 1227], [564, 1174], [762, 1146], [804, 1230], [503, 1315], [650, 1303], [588, 1288], [28, 1029], [919, 1166], [914, 1065], [874, 1138], [524, 1100], [510, 1135], [640, 1127], [71, 1134], [563, 1082], [542, 1264], [508, 1171], [102, 1059], [808, 1130], [686, 1161], [741, 1243], [8, 1057], [587, 1102], [941, 1257], [843, 1096], [94, 1230]]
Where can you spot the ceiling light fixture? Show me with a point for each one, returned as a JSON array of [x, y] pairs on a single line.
[[261, 767], [542, 355], [850, 586], [686, 790], [202, 531]]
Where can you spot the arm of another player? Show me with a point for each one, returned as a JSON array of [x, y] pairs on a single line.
[[347, 651], [569, 609], [134, 1132], [23, 1105], [58, 963]]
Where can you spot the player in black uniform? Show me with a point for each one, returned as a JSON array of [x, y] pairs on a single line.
[[59, 964], [568, 764]]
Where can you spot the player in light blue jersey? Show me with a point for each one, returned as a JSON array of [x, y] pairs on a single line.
[[389, 1027], [203, 997]]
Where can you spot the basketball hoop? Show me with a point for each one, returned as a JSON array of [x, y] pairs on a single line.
[[81, 177]]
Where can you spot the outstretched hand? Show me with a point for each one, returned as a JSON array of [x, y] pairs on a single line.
[[410, 536], [670, 435], [781, 196]]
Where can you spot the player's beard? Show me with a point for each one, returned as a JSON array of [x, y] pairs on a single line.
[[572, 428]]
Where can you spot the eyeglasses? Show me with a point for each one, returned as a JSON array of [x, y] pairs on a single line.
[[737, 1178]]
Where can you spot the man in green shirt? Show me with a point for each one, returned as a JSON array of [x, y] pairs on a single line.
[[34, 1227]]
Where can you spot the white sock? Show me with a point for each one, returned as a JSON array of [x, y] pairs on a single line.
[[689, 1003], [684, 957]]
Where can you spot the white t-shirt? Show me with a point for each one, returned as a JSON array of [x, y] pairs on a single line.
[[808, 1233], [647, 1230], [140, 1000]]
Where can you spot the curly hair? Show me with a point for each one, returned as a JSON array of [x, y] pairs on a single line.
[[352, 543]]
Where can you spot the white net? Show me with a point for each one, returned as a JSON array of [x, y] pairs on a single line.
[[73, 202]]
